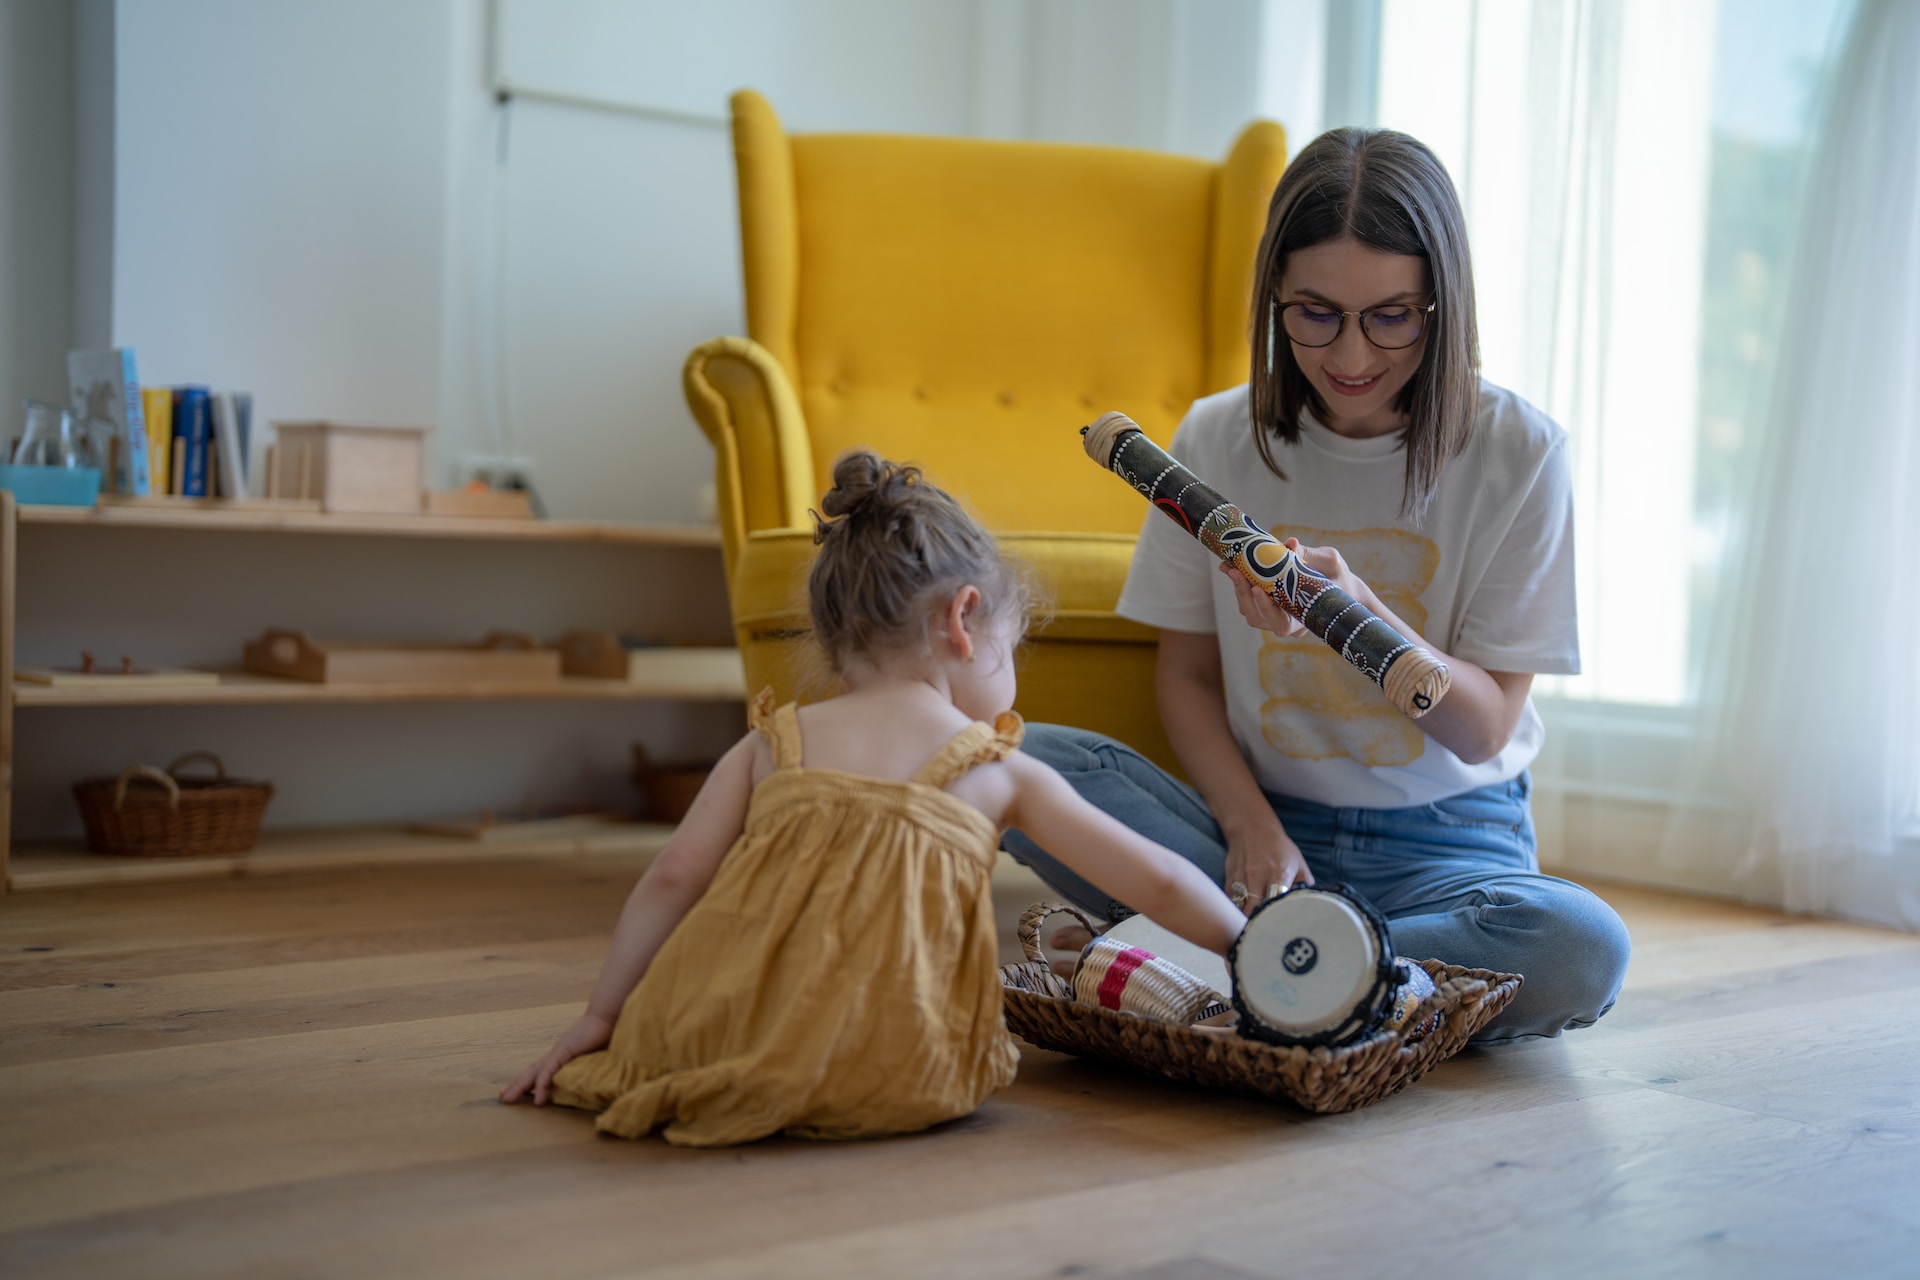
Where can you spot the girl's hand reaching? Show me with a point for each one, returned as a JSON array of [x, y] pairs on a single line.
[[1259, 609], [588, 1033]]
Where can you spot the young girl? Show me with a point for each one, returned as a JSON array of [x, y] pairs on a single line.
[[814, 950], [1366, 439]]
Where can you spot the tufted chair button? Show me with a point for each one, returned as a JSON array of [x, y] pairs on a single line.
[[921, 393], [838, 386], [1087, 401], [1006, 399]]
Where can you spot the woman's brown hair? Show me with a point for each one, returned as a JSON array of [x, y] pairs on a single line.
[[893, 549], [1389, 192]]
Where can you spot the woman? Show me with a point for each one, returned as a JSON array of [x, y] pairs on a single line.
[[1441, 502]]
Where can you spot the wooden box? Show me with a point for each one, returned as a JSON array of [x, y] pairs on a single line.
[[501, 658], [350, 467]]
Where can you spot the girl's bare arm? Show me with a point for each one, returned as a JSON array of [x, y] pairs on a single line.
[[678, 876], [1151, 879]]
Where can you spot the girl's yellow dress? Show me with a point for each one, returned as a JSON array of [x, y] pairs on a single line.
[[838, 979]]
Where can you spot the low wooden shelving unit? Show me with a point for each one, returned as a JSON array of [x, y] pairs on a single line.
[[683, 673], [659, 673]]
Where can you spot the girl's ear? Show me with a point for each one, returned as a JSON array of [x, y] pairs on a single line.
[[959, 621]]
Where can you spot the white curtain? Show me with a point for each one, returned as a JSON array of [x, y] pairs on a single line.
[[1748, 720], [1578, 133], [1812, 681]]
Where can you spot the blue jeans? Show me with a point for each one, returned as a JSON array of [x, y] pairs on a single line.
[[1457, 880]]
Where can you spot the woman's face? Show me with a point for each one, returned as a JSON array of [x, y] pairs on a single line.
[[1357, 381]]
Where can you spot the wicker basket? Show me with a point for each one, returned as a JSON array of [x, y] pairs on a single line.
[[1041, 1010], [150, 812]]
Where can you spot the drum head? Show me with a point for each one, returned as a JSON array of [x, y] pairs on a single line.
[[1313, 967]]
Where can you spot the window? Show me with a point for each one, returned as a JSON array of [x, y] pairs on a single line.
[[1629, 174]]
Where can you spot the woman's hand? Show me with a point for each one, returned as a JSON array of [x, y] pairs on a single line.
[[1265, 862], [1259, 608], [588, 1033]]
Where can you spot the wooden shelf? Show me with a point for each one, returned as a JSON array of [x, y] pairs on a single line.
[[68, 865], [421, 526], [692, 674]]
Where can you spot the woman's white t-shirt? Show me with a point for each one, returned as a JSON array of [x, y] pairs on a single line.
[[1486, 575]]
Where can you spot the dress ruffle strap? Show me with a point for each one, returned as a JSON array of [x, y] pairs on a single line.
[[978, 743], [779, 725]]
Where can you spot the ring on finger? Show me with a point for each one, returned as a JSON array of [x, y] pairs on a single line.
[[1277, 888], [1238, 892]]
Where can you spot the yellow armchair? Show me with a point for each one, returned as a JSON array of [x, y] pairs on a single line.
[[966, 305]]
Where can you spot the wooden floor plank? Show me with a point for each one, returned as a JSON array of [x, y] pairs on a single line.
[[41, 933], [295, 1077], [1782, 942], [1611, 1195], [93, 1018]]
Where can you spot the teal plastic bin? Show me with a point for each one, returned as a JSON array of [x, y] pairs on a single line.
[[52, 486]]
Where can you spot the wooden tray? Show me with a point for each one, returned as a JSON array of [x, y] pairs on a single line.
[[506, 827], [67, 678], [503, 657]]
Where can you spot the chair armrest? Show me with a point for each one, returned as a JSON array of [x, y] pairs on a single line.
[[763, 464]]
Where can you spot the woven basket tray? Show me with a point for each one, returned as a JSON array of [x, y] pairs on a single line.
[[1041, 1010], [149, 812]]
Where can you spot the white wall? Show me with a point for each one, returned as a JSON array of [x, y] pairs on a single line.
[[589, 250], [278, 175], [36, 177], [322, 202]]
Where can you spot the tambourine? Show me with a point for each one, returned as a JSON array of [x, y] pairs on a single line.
[[1314, 966]]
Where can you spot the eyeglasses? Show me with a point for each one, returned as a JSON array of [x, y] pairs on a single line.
[[1390, 328]]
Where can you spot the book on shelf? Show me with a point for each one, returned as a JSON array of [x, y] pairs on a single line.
[[229, 452], [243, 424], [193, 428], [106, 389], [158, 402]]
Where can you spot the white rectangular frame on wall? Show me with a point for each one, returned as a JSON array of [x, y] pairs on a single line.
[[672, 61]]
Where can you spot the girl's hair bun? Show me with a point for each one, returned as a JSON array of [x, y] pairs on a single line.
[[893, 548], [864, 481]]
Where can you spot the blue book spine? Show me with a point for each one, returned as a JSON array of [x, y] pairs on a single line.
[[194, 422], [133, 443], [243, 420]]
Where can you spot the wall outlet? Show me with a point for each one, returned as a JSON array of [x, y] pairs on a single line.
[[495, 470]]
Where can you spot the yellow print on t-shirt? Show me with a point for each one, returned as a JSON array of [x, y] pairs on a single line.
[[1317, 706]]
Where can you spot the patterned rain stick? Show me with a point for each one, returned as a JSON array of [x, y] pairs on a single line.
[[1412, 678]]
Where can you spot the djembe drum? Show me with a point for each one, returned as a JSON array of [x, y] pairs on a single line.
[[1314, 966]]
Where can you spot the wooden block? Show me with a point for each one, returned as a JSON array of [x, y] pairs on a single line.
[[511, 504], [352, 467], [500, 658]]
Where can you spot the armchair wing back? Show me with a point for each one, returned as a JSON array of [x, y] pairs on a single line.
[[966, 305]]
